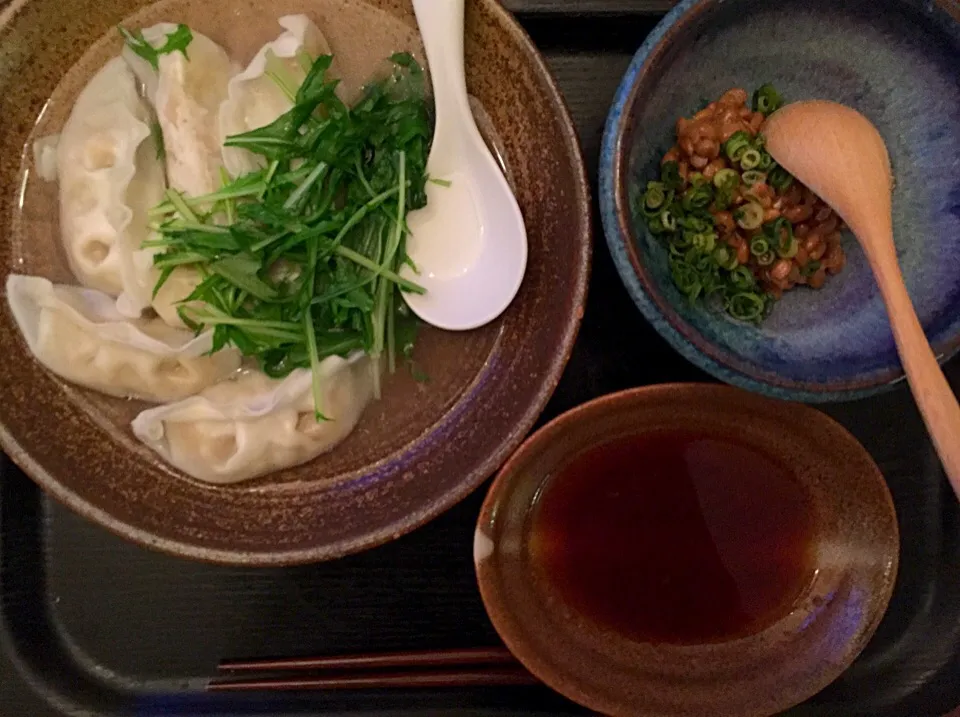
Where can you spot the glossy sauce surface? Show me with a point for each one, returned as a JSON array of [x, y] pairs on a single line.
[[675, 537]]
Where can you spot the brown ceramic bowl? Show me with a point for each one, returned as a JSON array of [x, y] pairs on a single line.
[[855, 552], [420, 449]]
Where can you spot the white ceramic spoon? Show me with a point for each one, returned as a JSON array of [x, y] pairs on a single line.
[[469, 243]]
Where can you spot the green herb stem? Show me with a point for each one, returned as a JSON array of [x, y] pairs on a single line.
[[404, 284]]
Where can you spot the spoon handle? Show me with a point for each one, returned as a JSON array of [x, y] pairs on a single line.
[[933, 394], [441, 28]]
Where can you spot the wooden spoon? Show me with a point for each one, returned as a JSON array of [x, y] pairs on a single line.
[[839, 154]]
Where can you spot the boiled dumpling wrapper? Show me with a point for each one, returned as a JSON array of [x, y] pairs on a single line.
[[254, 100], [109, 178], [253, 425], [79, 335], [187, 92]]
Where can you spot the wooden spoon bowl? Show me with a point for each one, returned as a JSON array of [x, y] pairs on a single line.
[[840, 155]]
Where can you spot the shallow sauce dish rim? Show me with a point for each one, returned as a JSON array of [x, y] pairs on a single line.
[[500, 572]]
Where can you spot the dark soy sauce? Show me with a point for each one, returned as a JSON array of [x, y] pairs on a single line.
[[676, 537]]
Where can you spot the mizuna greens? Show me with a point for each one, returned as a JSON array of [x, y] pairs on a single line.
[[177, 41], [300, 260]]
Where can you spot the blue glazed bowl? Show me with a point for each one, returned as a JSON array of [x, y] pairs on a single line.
[[898, 62]]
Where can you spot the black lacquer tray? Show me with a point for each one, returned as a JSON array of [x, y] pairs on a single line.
[[90, 625]]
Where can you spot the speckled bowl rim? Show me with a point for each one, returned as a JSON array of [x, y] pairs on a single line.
[[471, 480], [615, 214], [495, 601]]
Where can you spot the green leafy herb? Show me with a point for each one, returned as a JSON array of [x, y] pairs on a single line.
[[301, 260], [178, 40]]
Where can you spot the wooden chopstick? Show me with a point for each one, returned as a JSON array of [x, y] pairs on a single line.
[[409, 659], [474, 667], [485, 677]]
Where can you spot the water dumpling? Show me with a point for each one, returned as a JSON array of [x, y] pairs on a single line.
[[110, 175], [187, 88], [253, 425], [79, 335], [255, 100], [187, 91]]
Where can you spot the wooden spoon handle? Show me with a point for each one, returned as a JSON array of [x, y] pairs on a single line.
[[933, 394]]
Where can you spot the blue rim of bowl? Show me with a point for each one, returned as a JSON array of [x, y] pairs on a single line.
[[615, 215]]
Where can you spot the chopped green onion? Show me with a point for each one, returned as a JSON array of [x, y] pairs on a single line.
[[751, 158], [686, 278], [704, 242], [742, 279], [668, 221], [726, 258], [767, 259], [698, 196], [766, 99], [746, 306], [759, 246], [781, 231], [670, 176], [655, 196], [738, 143], [696, 223], [684, 210], [723, 200], [749, 216], [790, 250], [780, 179], [648, 211], [725, 178]]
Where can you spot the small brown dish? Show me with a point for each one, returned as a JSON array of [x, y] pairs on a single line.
[[424, 445], [688, 550]]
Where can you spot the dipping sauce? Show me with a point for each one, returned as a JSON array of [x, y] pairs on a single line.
[[676, 537]]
